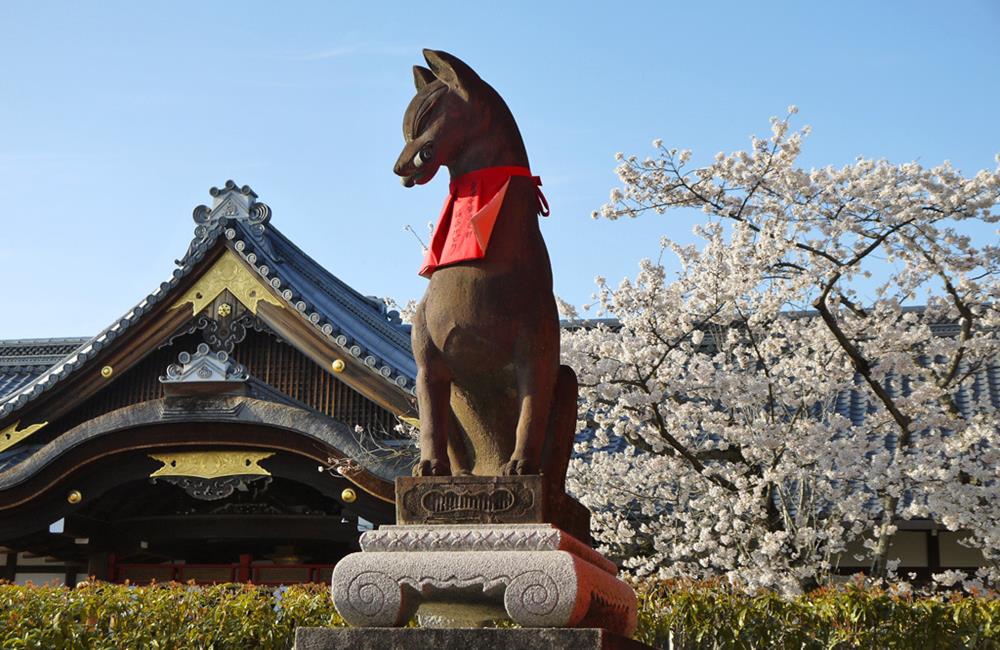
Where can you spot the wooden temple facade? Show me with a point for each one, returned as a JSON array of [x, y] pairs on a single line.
[[237, 424]]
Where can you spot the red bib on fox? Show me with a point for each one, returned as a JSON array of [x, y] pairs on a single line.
[[470, 212]]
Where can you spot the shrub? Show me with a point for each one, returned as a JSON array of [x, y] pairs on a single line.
[[102, 615], [691, 615], [708, 615]]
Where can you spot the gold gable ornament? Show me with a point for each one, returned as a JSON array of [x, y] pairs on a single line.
[[11, 436], [228, 273]]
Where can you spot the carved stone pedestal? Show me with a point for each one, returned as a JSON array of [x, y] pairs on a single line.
[[467, 575]]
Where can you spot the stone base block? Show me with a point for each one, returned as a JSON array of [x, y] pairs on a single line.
[[319, 638], [469, 576]]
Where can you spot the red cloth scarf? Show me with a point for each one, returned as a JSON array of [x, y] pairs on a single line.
[[469, 214]]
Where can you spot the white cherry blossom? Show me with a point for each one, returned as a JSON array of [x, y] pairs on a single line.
[[722, 439]]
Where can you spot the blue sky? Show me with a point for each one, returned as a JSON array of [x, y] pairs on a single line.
[[116, 118]]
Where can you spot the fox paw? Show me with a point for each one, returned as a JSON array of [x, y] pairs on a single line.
[[432, 467], [519, 468]]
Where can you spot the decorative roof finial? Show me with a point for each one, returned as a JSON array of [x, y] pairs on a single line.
[[231, 202], [205, 365]]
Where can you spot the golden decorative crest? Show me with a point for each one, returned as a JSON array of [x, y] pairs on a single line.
[[11, 436], [211, 464], [228, 273]]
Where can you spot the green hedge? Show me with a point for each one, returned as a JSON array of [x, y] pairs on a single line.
[[696, 615], [710, 616], [177, 616]]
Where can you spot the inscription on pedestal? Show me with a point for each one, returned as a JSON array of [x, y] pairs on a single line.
[[487, 500], [449, 503], [469, 500]]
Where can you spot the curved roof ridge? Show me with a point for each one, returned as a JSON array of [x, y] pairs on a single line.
[[62, 340], [65, 366], [375, 314], [338, 311]]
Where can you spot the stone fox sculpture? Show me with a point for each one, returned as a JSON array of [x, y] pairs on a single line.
[[492, 397]]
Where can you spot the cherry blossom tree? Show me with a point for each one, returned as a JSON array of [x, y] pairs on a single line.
[[718, 440]]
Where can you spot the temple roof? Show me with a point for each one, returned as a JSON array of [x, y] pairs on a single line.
[[23, 360], [361, 326]]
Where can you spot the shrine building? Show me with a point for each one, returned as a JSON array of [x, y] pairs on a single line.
[[237, 424]]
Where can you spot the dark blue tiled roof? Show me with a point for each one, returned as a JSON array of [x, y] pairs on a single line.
[[11, 381], [23, 360], [984, 387], [360, 324]]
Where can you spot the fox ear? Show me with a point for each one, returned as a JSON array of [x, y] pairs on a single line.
[[422, 76], [452, 71]]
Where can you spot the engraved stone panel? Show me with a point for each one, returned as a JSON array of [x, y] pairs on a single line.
[[468, 499], [487, 500]]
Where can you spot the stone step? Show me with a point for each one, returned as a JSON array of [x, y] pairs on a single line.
[[317, 638]]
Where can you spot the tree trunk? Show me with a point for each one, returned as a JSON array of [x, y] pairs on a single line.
[[880, 561]]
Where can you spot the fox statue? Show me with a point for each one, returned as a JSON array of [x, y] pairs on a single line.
[[493, 399]]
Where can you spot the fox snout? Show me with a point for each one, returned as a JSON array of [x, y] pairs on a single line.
[[413, 166]]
